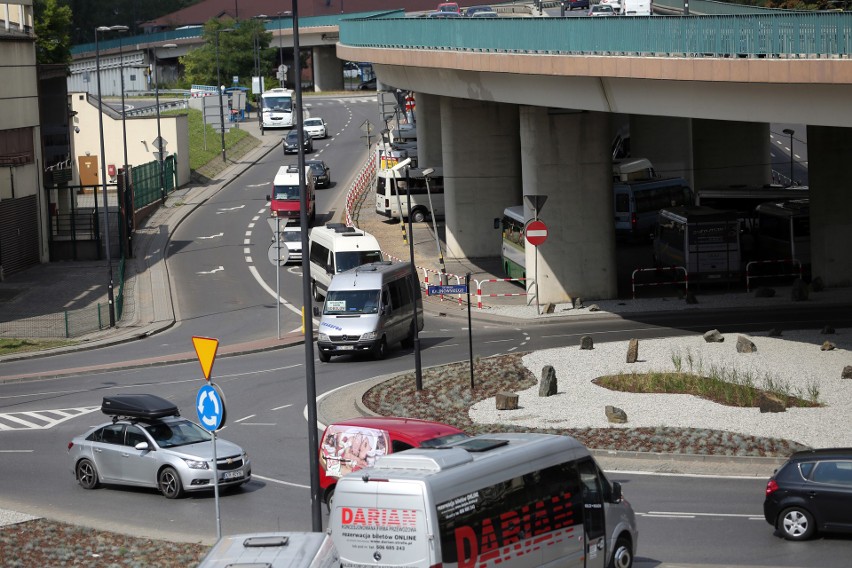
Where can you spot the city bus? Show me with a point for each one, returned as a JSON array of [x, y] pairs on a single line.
[[512, 251], [277, 106], [784, 231], [427, 196]]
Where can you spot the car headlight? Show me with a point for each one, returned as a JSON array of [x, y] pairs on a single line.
[[323, 337], [196, 464], [369, 336]]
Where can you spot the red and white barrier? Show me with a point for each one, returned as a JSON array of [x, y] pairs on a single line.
[[675, 269], [480, 295], [791, 261]]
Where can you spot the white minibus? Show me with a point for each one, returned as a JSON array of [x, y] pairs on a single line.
[[427, 195], [272, 550], [369, 308], [504, 499], [336, 248]]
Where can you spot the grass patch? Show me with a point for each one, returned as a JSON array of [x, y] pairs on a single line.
[[13, 345], [198, 154], [730, 389]]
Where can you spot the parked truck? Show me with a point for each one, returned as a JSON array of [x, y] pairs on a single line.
[[636, 7]]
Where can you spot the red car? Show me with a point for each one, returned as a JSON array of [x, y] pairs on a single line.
[[350, 445], [448, 7]]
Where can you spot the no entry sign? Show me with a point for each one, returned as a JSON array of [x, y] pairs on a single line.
[[536, 233]]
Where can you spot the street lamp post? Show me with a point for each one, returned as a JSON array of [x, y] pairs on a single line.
[[415, 285], [159, 144], [110, 291], [280, 47], [790, 133], [427, 173], [219, 87]]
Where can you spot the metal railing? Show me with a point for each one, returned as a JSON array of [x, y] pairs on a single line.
[[788, 34]]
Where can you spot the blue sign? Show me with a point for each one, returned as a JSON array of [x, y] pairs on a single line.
[[211, 408], [452, 289]]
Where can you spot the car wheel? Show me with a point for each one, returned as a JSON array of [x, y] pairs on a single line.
[[315, 291], [170, 484], [329, 499], [380, 351], [796, 523], [87, 474], [324, 357], [622, 554], [418, 216]]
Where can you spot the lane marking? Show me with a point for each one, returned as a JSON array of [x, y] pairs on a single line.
[[246, 417], [213, 236], [214, 271]]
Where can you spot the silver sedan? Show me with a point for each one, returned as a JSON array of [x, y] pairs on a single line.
[[171, 454]]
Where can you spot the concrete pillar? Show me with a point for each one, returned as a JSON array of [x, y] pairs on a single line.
[[666, 141], [482, 173], [831, 208], [328, 69], [428, 114], [729, 153], [567, 157]]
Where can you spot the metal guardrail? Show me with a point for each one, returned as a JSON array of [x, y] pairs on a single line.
[[788, 34]]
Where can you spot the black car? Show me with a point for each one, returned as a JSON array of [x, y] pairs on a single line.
[[812, 491], [368, 85], [291, 142], [320, 171]]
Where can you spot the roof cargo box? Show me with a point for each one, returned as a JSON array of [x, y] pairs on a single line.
[[138, 406]]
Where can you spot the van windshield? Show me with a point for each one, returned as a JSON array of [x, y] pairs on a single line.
[[351, 302], [286, 192], [350, 259]]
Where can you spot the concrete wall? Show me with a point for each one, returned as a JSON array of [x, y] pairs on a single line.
[[831, 209], [482, 172], [566, 156], [428, 116], [328, 69]]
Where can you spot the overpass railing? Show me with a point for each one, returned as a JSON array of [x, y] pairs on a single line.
[[792, 35]]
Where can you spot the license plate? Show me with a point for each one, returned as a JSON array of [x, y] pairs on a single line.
[[346, 348], [232, 475]]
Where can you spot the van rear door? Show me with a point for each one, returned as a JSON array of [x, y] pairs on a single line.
[[387, 529]]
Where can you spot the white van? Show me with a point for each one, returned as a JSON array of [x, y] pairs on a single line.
[[336, 248], [273, 550], [507, 499], [369, 308]]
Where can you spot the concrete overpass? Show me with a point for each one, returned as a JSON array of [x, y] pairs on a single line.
[[513, 107]]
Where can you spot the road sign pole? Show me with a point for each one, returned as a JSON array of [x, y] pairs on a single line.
[[469, 328], [278, 275], [216, 489]]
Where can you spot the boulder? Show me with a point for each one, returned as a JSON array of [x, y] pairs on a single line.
[[817, 284], [549, 308], [547, 386], [690, 298], [800, 290], [594, 308], [847, 372], [745, 345], [615, 415], [774, 332], [586, 342], [764, 292], [506, 401], [770, 403], [633, 351], [827, 330], [714, 336], [827, 346]]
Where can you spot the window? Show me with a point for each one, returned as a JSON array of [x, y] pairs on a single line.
[[134, 436], [833, 472], [319, 255]]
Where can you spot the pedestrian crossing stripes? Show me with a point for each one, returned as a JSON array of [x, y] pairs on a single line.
[[347, 100], [41, 419]]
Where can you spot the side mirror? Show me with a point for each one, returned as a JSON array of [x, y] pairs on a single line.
[[496, 222], [617, 494], [316, 311], [141, 446], [268, 198]]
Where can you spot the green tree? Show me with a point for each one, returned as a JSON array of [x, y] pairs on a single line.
[[236, 53], [52, 23]]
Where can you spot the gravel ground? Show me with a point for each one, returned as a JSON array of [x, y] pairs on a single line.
[[794, 360]]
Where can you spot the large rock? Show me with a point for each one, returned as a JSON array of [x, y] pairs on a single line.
[[506, 401], [800, 290], [547, 386], [827, 346], [847, 372], [633, 351], [690, 298], [828, 330], [586, 342], [745, 345], [817, 285], [770, 403], [714, 336], [774, 332], [615, 415]]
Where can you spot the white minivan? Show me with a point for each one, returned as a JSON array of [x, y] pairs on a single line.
[[503, 499], [369, 308], [336, 248]]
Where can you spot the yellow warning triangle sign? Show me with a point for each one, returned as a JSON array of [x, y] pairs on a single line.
[[205, 349]]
